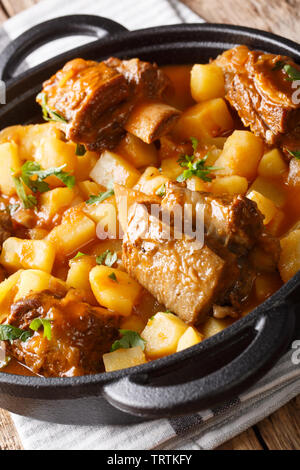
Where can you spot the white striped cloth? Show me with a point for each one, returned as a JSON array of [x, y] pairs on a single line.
[[205, 430]]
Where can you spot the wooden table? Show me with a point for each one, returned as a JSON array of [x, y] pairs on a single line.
[[281, 431]]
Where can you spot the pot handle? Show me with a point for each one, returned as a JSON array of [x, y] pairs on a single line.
[[87, 25], [271, 334]]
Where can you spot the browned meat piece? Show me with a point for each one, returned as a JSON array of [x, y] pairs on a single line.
[[6, 227], [96, 100], [262, 93], [80, 334], [186, 276], [234, 221]]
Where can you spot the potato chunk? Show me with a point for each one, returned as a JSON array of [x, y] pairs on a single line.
[[137, 152], [112, 168], [189, 338], [34, 280], [230, 185], [264, 204], [28, 254], [209, 119], [214, 325], [75, 231], [105, 215], [114, 289], [271, 189], [162, 334], [8, 291], [9, 160], [272, 164], [123, 358], [85, 164], [289, 262], [88, 188], [151, 181], [78, 275], [241, 155], [52, 202], [207, 82], [170, 168]]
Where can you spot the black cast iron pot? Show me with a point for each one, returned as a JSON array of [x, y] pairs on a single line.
[[220, 367]]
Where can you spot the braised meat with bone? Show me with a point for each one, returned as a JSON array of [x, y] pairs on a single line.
[[100, 101], [261, 91], [184, 274]]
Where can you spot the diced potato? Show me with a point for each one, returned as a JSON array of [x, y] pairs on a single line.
[[162, 334], [102, 246], [89, 188], [209, 119], [212, 326], [189, 338], [54, 201], [289, 262], [28, 254], [272, 164], [230, 184], [75, 231], [241, 155], [150, 181], [105, 215], [124, 358], [170, 168], [112, 168], [114, 289], [32, 136], [34, 280], [207, 82], [137, 152], [8, 290], [271, 189], [266, 284], [12, 134], [78, 275], [85, 164], [9, 160], [265, 205], [133, 323], [53, 153]]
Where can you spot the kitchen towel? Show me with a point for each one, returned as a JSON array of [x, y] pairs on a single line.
[[212, 427]]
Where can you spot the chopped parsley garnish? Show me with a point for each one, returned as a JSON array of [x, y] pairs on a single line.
[[33, 176], [195, 168], [28, 200], [130, 339], [294, 153], [79, 255], [49, 114], [113, 277], [100, 197], [161, 191], [80, 150], [11, 333], [37, 323], [108, 258], [292, 72], [279, 65]]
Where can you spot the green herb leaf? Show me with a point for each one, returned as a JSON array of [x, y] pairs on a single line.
[[279, 65], [11, 333], [101, 197], [195, 168], [49, 114], [28, 201], [294, 153], [79, 255], [130, 339], [108, 258], [161, 191], [37, 323], [12, 208], [292, 72], [32, 169], [113, 277], [80, 150]]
